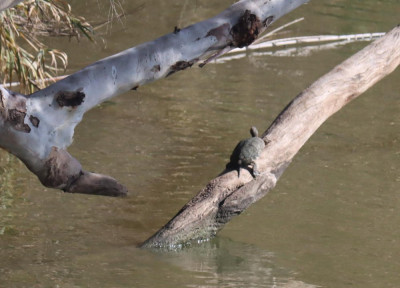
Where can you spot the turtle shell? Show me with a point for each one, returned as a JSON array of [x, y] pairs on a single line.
[[246, 151], [250, 150]]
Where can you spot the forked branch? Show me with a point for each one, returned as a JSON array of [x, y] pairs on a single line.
[[38, 128]]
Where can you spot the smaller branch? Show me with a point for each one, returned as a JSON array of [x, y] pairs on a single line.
[[310, 39], [286, 52], [97, 184], [338, 40], [269, 34], [63, 171]]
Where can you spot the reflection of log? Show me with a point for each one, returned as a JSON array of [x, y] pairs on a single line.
[[227, 195], [312, 45], [232, 264], [38, 128]]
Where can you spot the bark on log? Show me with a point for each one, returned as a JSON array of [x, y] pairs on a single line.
[[38, 128], [227, 195]]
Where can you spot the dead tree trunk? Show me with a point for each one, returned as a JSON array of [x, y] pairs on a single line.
[[227, 195], [38, 128]]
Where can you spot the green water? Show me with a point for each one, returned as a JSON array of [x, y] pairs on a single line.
[[332, 220]]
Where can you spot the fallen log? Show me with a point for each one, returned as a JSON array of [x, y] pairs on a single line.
[[229, 195]]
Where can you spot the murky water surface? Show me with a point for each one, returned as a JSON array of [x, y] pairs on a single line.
[[332, 221]]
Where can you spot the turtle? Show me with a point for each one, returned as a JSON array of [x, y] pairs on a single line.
[[246, 152]]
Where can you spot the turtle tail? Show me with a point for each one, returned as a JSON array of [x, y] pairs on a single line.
[[234, 166], [238, 167], [229, 166]]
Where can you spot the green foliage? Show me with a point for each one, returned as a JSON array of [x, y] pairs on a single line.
[[23, 56]]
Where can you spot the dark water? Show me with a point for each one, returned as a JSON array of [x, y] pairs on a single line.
[[332, 221]]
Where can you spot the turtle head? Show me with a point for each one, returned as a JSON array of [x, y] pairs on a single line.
[[254, 131]]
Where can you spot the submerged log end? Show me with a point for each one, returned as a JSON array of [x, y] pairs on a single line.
[[183, 233], [206, 214]]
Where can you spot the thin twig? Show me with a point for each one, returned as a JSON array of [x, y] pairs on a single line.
[[262, 38], [310, 39]]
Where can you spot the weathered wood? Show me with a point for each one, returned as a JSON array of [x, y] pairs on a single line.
[[227, 195], [38, 128]]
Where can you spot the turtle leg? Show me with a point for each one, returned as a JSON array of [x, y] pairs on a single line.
[[255, 170], [239, 166]]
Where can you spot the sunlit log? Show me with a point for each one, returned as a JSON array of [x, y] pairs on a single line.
[[229, 195]]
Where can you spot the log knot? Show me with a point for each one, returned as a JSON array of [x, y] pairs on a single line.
[[180, 65], [13, 110], [34, 120], [246, 30], [16, 119], [268, 21], [219, 32], [70, 98]]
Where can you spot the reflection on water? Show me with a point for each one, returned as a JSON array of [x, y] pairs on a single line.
[[220, 263], [224, 263], [332, 220]]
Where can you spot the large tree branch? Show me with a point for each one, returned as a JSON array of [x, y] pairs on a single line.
[[38, 128], [227, 195]]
